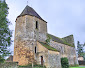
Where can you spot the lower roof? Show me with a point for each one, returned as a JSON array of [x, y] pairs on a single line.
[[48, 47], [61, 40]]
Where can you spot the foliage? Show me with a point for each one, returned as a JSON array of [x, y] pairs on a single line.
[[64, 62], [80, 49], [1, 60], [48, 39], [5, 32]]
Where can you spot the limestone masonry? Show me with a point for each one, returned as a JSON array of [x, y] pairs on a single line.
[[30, 44]]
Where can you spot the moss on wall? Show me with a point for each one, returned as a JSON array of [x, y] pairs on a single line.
[[48, 47], [66, 40], [69, 39]]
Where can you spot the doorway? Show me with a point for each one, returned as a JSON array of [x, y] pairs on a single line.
[[41, 60]]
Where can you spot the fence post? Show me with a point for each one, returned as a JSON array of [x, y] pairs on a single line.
[[32, 64]]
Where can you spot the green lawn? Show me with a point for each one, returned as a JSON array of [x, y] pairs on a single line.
[[77, 67]]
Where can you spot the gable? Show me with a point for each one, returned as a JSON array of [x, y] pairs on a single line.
[[69, 39]]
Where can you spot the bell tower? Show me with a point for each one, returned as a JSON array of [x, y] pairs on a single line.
[[30, 25], [29, 29]]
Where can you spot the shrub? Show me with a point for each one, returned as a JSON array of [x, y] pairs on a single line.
[[64, 62], [1, 60]]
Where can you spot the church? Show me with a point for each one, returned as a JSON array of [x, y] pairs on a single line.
[[33, 44]]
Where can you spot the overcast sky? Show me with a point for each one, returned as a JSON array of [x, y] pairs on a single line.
[[64, 17]]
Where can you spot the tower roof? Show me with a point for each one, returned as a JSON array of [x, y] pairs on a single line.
[[30, 11]]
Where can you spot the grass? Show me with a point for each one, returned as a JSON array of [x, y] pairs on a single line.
[[77, 67], [30, 66]]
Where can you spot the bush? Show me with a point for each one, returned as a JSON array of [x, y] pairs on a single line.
[[1, 60], [64, 62]]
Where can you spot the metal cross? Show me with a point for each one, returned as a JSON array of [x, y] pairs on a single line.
[[27, 2]]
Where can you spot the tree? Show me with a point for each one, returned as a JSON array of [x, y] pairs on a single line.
[[5, 32], [80, 49]]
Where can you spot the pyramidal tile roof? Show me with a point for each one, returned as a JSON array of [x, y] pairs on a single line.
[[30, 11]]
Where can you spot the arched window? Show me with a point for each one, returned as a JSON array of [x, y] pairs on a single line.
[[36, 24], [35, 50]]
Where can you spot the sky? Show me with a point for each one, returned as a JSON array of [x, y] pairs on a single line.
[[64, 17]]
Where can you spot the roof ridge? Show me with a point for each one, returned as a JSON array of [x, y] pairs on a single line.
[[60, 40], [68, 35]]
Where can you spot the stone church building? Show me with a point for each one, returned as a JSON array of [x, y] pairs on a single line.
[[31, 46]]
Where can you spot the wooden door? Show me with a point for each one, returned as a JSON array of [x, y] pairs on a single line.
[[41, 60]]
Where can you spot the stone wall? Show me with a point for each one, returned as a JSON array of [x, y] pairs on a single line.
[[42, 51], [26, 35], [69, 39], [26, 28], [9, 65], [24, 52], [51, 59], [54, 60], [66, 51], [40, 34]]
